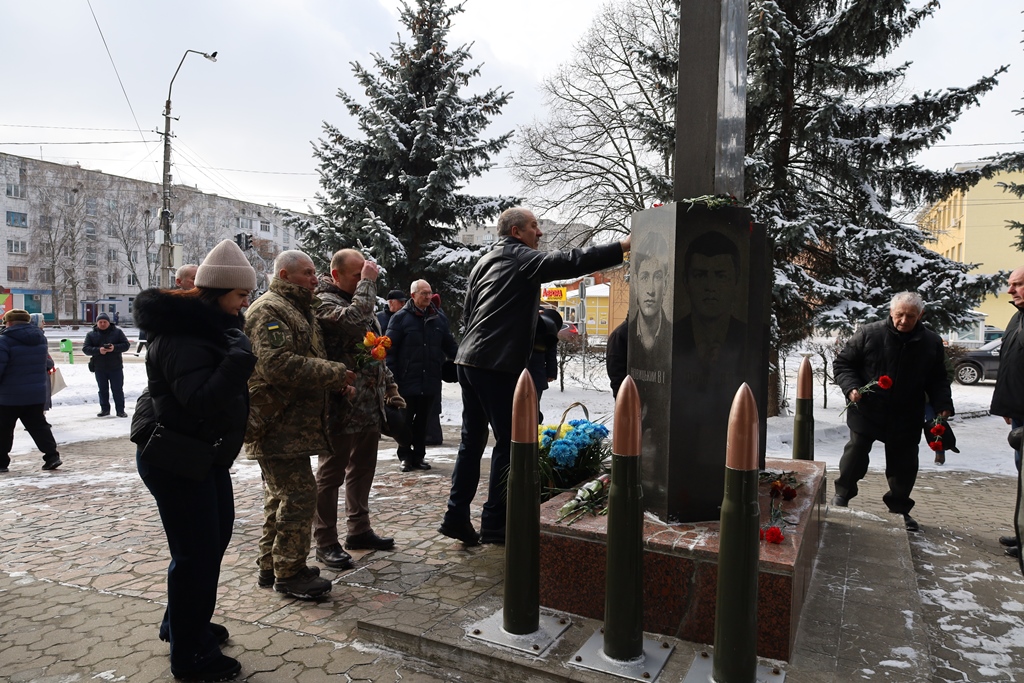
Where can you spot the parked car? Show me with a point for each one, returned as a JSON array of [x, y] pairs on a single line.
[[992, 333], [569, 332], [979, 364]]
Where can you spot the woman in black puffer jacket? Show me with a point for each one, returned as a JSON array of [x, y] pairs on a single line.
[[198, 365]]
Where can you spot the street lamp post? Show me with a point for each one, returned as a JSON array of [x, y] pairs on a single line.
[[167, 246]]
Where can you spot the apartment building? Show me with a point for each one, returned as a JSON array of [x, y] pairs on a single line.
[[971, 227], [80, 242]]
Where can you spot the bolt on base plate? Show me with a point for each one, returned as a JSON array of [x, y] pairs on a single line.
[[703, 667], [645, 668], [490, 631]]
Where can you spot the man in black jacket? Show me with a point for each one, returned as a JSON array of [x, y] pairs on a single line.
[[902, 351], [106, 344], [421, 341], [500, 316], [1008, 396]]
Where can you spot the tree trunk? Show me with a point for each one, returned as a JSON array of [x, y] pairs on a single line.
[[774, 397]]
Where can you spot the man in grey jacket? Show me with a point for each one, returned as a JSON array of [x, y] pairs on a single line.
[[500, 317]]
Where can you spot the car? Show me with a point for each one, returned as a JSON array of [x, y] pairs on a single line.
[[992, 333], [981, 363], [569, 332]]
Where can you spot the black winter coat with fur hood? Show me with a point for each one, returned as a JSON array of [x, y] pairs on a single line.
[[198, 372]]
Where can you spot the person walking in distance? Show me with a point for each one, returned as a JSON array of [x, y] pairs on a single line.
[[24, 388]]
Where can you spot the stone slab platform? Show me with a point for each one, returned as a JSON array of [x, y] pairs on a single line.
[[681, 566]]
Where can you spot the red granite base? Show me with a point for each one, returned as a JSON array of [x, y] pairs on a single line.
[[681, 567]]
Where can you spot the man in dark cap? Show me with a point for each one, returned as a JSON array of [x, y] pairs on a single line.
[[106, 344], [23, 388], [396, 299]]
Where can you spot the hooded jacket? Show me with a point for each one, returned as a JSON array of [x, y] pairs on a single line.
[[197, 373], [1008, 396], [23, 366], [503, 297], [915, 361], [421, 341], [111, 360]]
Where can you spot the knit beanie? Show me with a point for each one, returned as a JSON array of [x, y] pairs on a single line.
[[103, 316], [225, 267], [17, 315]]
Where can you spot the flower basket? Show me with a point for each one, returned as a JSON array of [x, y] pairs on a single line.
[[571, 452]]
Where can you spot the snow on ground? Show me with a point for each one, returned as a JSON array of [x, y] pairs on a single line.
[[981, 438]]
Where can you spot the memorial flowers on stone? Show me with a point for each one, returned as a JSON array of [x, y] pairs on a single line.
[[570, 453]]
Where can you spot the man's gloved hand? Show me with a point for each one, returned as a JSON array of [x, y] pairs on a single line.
[[237, 340], [392, 398]]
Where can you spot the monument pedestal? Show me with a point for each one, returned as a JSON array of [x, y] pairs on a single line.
[[681, 566]]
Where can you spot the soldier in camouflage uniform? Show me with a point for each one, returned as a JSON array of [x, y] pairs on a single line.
[[288, 398], [346, 314]]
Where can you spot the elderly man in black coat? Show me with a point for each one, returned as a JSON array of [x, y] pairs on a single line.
[[901, 351], [421, 341]]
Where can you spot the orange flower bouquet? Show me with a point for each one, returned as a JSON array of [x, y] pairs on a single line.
[[372, 349]]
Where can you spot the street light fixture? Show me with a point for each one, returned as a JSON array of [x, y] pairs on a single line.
[[167, 247]]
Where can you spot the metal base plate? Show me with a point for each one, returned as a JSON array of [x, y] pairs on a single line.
[[703, 667], [490, 631], [645, 668]]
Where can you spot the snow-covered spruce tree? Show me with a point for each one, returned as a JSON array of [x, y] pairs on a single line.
[[395, 192], [830, 145]]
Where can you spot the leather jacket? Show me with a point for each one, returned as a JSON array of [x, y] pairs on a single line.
[[503, 297]]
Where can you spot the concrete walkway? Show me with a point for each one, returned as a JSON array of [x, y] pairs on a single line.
[[83, 566]]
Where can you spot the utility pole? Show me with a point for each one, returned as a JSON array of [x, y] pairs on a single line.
[[167, 244]]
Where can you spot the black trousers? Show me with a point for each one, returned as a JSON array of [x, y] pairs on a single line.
[[115, 380], [35, 423], [420, 410], [901, 466], [197, 519], [486, 400]]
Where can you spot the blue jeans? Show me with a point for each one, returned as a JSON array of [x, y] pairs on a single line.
[[197, 517], [115, 380], [486, 400]]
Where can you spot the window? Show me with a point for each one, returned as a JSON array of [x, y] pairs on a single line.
[[111, 254], [15, 191], [210, 223], [132, 282], [210, 241], [17, 273], [90, 256], [112, 205], [111, 230], [133, 257], [244, 224], [46, 275], [488, 238], [287, 234], [152, 257], [17, 247], [90, 230], [264, 226], [90, 207], [17, 219], [46, 222], [467, 239], [112, 279], [275, 231]]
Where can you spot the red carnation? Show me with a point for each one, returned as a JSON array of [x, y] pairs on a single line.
[[788, 493], [938, 430], [885, 382], [935, 445], [773, 535]]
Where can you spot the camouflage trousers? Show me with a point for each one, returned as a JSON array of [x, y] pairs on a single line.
[[289, 503]]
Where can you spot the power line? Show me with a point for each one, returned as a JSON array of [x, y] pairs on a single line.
[[92, 142], [20, 125], [111, 57]]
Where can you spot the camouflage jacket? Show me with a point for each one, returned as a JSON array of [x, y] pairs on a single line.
[[345, 320], [288, 389]]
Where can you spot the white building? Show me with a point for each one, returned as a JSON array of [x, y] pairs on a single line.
[[87, 240]]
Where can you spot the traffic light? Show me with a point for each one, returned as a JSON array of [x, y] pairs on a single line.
[[248, 242]]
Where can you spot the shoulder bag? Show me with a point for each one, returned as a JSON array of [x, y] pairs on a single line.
[[179, 454]]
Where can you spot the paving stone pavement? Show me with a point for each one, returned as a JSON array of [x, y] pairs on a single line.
[[83, 566]]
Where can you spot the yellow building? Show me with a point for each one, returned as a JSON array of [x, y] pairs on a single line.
[[970, 227]]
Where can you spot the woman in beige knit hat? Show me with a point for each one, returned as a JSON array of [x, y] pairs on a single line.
[[198, 365]]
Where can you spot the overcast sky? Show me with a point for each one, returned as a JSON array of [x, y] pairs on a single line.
[[246, 122]]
